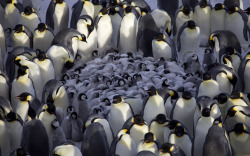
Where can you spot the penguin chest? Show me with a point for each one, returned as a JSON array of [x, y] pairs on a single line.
[[183, 142], [116, 22], [218, 20], [181, 19], [104, 32], [31, 21], [46, 119], [190, 39], [12, 15], [143, 146], [240, 143], [202, 19], [15, 130], [107, 129], [42, 40], [247, 77], [209, 88], [125, 146], [21, 39], [22, 110], [61, 17], [47, 70], [158, 130], [88, 9], [161, 49], [137, 132], [224, 83]]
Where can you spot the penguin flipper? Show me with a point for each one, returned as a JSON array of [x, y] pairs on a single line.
[[113, 146], [179, 36], [128, 124], [19, 6], [143, 105], [172, 46], [50, 14], [76, 13], [241, 72]]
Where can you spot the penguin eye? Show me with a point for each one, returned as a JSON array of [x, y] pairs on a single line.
[[83, 97], [129, 78], [66, 77], [76, 76]]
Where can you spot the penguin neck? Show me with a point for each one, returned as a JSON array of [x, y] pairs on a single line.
[[243, 137], [23, 77]]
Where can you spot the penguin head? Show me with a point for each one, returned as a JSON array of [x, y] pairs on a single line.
[[9, 1], [186, 95], [226, 59], [247, 11], [55, 124], [82, 97], [230, 51], [117, 99], [59, 1], [233, 9], [127, 9], [149, 137], [19, 28], [70, 109], [231, 112], [22, 70], [222, 98], [95, 53], [161, 118], [173, 94], [74, 115], [114, 10], [20, 152], [142, 66], [24, 96], [165, 83], [203, 4], [172, 124], [152, 91], [186, 10], [239, 128], [121, 82], [218, 6], [41, 56], [41, 27], [11, 116], [28, 10], [104, 11], [179, 131], [191, 24], [208, 51], [166, 148], [50, 108], [82, 38], [17, 61], [138, 120], [207, 76], [211, 41], [160, 37], [205, 112]]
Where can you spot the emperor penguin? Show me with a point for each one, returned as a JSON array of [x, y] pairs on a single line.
[[67, 149], [5, 86], [239, 136], [157, 127], [207, 85], [69, 37], [46, 67], [182, 138], [36, 4], [94, 138], [55, 92], [123, 144], [247, 11], [19, 151], [85, 25], [162, 20], [152, 105], [120, 112], [244, 74], [81, 7], [81, 105], [57, 15], [35, 135], [221, 39], [218, 14], [170, 149], [188, 39], [116, 14], [128, 30], [217, 141], [22, 36], [186, 103], [149, 143], [98, 5], [5, 138], [29, 18], [182, 15], [235, 55], [12, 12], [202, 17], [2, 42], [236, 15], [21, 84], [142, 4], [237, 99], [137, 128], [201, 130], [233, 3], [14, 125], [5, 107], [170, 6], [23, 106], [42, 37], [104, 30], [222, 101], [163, 46]]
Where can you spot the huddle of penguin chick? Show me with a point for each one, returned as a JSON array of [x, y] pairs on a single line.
[[117, 78]]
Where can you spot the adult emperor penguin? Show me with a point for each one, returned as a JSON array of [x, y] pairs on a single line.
[[233, 3], [152, 105], [187, 104], [23, 106], [163, 46], [128, 30], [247, 11], [22, 36], [104, 30], [188, 39], [67, 149], [12, 13], [35, 135], [21, 84], [236, 15], [207, 85], [42, 37], [222, 100], [157, 127], [237, 99], [137, 128], [5, 139], [170, 149], [123, 144], [149, 143], [116, 14], [244, 74], [217, 141], [235, 55], [81, 7], [14, 125], [218, 14], [57, 15], [46, 67], [237, 114], [170, 6], [85, 25], [29, 18], [120, 112], [93, 139], [182, 138], [239, 136], [202, 15]]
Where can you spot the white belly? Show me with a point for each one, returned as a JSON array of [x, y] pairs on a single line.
[[42, 40], [47, 119], [209, 89], [5, 140], [126, 146], [224, 83], [4, 87], [137, 133], [22, 110], [61, 17], [30, 21], [88, 9], [15, 130], [161, 49], [240, 144], [247, 77], [116, 22], [183, 142], [12, 16], [217, 20], [20, 39], [158, 131]]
